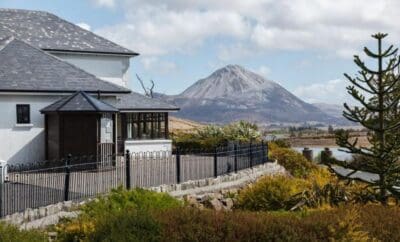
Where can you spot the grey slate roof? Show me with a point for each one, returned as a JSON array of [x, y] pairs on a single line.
[[25, 68], [135, 101], [49, 32], [79, 102]]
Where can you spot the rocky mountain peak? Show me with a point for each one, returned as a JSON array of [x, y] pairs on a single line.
[[229, 81], [234, 93]]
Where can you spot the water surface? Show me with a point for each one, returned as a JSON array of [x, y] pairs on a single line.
[[338, 154]]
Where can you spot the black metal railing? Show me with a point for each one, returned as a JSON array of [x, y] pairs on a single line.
[[45, 183]]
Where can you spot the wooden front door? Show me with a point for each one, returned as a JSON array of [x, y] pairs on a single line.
[[79, 134]]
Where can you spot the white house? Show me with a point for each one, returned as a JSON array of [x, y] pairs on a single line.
[[64, 90]]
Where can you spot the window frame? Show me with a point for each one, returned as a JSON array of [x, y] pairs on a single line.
[[149, 126], [20, 119]]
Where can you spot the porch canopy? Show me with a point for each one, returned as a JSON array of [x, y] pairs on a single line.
[[79, 125]]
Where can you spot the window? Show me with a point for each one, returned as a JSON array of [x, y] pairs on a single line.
[[146, 125], [23, 114]]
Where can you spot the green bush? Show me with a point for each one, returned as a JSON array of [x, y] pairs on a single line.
[[211, 136], [126, 225], [139, 199], [344, 223], [10, 233], [120, 216], [271, 193], [293, 161], [281, 143]]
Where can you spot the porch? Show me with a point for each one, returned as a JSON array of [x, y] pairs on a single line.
[[80, 125], [83, 125]]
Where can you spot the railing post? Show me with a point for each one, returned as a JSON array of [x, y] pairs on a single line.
[[235, 165], [178, 165], [263, 152], [128, 169], [67, 176], [215, 163], [251, 154], [1, 196]]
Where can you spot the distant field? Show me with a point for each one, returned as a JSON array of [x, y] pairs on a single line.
[[324, 141], [183, 125]]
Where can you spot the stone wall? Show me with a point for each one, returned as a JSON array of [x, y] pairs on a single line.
[[207, 185], [44, 216]]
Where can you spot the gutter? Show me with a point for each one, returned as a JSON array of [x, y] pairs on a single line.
[[131, 54], [62, 91]]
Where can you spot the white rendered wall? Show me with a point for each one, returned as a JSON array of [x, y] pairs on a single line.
[[26, 143], [111, 68], [23, 144], [137, 146]]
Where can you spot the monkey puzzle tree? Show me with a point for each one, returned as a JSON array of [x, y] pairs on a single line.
[[377, 93]]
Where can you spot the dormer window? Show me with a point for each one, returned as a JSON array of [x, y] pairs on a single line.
[[23, 114]]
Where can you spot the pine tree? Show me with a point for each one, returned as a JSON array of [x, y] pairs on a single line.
[[377, 94]]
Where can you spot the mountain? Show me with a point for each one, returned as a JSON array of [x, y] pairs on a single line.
[[334, 110], [234, 93]]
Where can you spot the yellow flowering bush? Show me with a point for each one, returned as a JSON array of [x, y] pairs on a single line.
[[271, 193], [293, 161]]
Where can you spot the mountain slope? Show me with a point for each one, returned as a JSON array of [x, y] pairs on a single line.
[[334, 110], [233, 93]]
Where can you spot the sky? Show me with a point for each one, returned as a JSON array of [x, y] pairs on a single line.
[[304, 45]]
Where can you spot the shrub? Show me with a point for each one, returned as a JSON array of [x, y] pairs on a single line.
[[343, 223], [11, 233], [121, 216], [206, 139], [211, 136], [281, 143], [242, 131], [120, 199], [293, 161], [382, 222], [271, 193], [190, 224], [126, 225], [320, 176], [318, 188]]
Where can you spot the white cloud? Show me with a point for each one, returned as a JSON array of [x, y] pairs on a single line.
[[154, 30], [105, 3], [157, 27], [154, 63], [231, 53], [263, 71], [333, 91], [84, 26]]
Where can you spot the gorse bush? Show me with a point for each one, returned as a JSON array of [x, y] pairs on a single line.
[[10, 233]]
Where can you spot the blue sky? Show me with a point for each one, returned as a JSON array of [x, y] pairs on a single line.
[[305, 45]]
